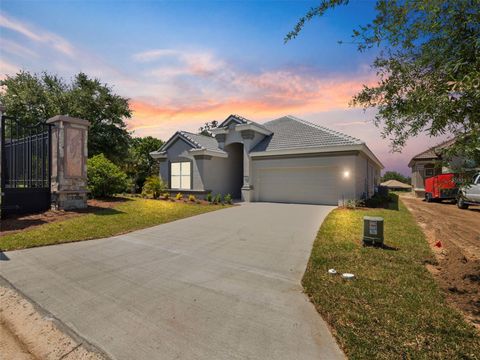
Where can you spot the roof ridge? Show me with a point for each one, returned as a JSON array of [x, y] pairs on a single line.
[[196, 134], [324, 128], [434, 147], [186, 134], [241, 118]]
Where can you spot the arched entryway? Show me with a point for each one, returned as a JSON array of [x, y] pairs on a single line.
[[235, 169]]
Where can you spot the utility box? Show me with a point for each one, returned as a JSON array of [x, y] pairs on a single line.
[[372, 230]]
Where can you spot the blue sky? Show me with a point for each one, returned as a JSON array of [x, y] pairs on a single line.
[[186, 62]]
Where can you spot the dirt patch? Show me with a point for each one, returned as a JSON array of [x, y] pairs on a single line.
[[454, 236], [11, 347], [25, 333], [17, 223]]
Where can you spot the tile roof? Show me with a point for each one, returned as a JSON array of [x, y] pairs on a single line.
[[434, 151], [238, 118], [201, 141], [290, 132], [241, 120]]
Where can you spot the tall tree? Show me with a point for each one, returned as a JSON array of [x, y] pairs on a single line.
[[208, 127], [428, 68], [32, 98], [140, 165]]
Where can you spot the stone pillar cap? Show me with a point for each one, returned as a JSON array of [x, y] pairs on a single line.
[[68, 119]]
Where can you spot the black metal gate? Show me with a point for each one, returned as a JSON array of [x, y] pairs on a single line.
[[25, 167]]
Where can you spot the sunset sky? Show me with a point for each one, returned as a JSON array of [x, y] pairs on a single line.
[[183, 63]]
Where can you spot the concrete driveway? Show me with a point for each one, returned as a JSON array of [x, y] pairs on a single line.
[[223, 285]]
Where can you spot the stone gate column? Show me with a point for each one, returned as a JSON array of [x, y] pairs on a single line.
[[69, 162]]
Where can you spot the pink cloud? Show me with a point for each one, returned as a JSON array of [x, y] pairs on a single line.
[[265, 95]]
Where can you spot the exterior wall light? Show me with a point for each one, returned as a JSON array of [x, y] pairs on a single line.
[[346, 174]]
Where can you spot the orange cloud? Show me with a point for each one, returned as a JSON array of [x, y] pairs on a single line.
[[260, 97]]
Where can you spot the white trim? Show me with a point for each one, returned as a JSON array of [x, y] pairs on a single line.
[[208, 152], [314, 150], [174, 137], [158, 154], [236, 118], [217, 131]]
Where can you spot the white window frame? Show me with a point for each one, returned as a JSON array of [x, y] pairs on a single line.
[[183, 176]]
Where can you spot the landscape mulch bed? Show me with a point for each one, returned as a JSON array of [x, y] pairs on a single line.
[[13, 224], [18, 223]]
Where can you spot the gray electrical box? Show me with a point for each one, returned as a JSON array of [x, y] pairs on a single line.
[[372, 230]]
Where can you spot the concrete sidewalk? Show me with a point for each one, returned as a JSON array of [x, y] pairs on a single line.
[[222, 285]]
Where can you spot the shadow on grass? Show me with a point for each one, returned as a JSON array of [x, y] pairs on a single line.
[[99, 211], [382, 247], [13, 224], [391, 204], [387, 247], [102, 207]]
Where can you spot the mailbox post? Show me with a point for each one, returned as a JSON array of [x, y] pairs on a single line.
[[372, 230]]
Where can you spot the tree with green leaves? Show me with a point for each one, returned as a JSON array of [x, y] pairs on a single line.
[[393, 175], [37, 97], [208, 127], [139, 165], [428, 68]]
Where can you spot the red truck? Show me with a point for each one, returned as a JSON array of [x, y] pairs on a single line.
[[441, 187]]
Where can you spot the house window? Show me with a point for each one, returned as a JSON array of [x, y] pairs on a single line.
[[429, 171], [180, 175]]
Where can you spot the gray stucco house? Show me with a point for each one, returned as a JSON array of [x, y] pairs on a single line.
[[283, 160]]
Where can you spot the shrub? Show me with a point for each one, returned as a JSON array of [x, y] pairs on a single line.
[[209, 197], [217, 199], [179, 196], [228, 199], [166, 195], [153, 187], [353, 204], [192, 198], [377, 200], [104, 177]]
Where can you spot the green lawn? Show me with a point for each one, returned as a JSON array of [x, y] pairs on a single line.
[[133, 214], [394, 309]]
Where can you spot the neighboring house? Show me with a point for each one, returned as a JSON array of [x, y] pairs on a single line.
[[283, 160], [427, 164], [395, 185]]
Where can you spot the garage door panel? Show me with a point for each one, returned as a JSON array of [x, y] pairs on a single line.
[[314, 184]]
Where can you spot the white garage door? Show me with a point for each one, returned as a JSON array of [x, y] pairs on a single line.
[[307, 185]]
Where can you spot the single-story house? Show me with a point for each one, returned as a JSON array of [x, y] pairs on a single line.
[[283, 160], [396, 185], [427, 164]]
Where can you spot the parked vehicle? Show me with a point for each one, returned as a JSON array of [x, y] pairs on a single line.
[[469, 194], [441, 187]]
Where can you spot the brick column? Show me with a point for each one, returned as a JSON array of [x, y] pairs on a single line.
[[69, 162]]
